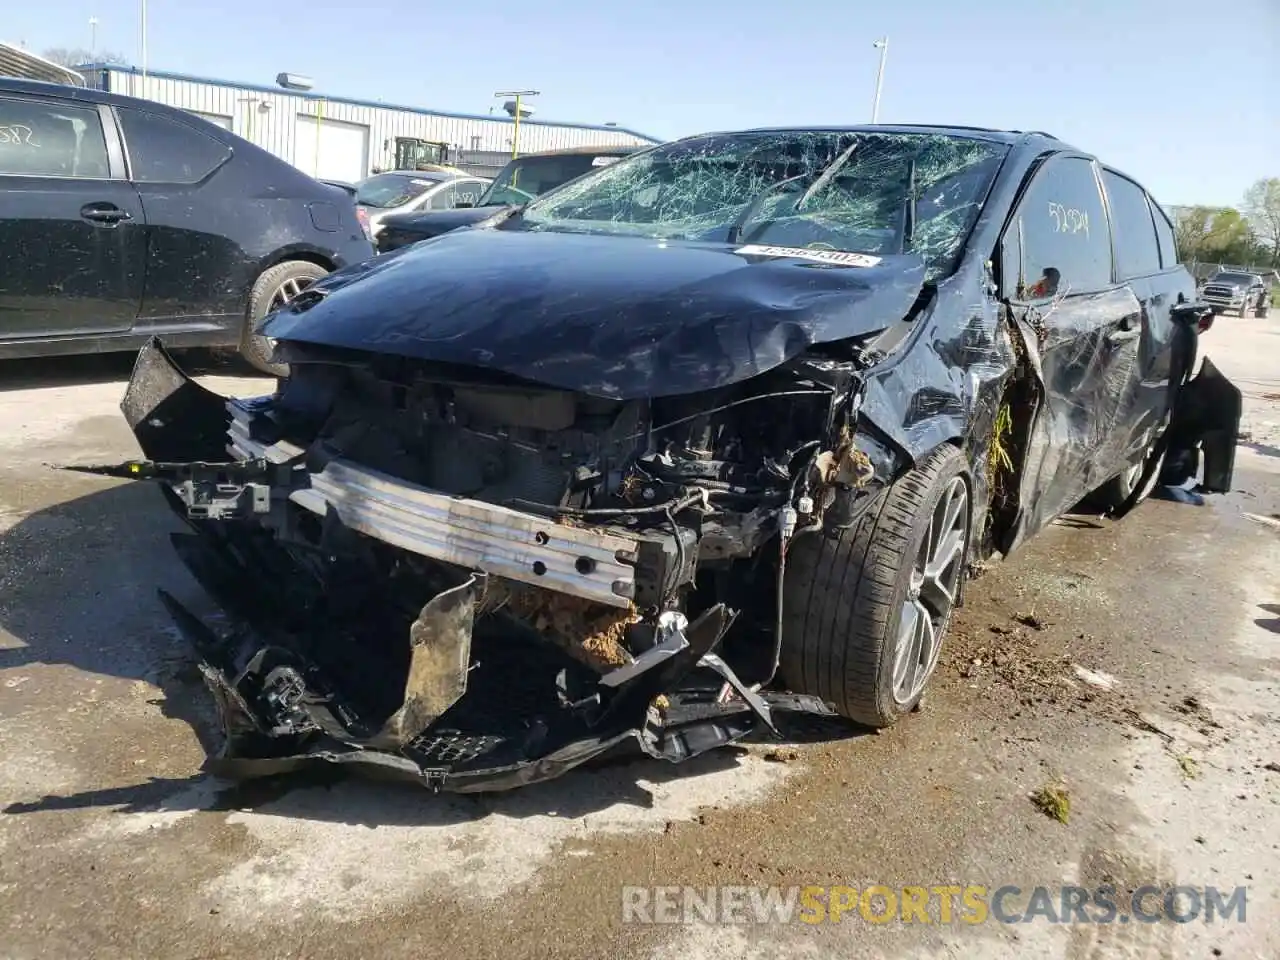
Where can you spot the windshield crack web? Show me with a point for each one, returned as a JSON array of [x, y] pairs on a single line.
[[840, 190]]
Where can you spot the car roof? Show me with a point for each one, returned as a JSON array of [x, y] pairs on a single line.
[[82, 94], [992, 134], [601, 151], [418, 174]]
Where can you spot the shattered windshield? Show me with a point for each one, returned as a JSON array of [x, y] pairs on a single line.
[[842, 190]]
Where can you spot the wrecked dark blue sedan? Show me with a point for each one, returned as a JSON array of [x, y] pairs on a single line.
[[703, 439]]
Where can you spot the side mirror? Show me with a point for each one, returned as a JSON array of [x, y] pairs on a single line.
[[1195, 314]]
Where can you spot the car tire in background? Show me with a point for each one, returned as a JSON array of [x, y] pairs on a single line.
[[272, 290], [865, 612]]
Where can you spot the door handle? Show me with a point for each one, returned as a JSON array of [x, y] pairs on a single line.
[[1122, 336], [105, 213]]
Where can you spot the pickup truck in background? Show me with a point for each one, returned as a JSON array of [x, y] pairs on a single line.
[[1233, 290]]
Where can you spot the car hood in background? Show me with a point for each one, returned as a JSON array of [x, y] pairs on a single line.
[[432, 223], [619, 317]]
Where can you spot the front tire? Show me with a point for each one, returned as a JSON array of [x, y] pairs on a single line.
[[276, 287], [865, 612]]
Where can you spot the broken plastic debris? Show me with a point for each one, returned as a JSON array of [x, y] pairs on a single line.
[[1095, 678]]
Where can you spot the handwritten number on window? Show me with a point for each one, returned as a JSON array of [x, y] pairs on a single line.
[[18, 134], [1068, 219]]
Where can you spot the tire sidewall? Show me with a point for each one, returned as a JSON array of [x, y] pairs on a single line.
[[953, 466], [254, 346]]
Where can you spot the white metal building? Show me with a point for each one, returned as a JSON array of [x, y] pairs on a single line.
[[340, 139]]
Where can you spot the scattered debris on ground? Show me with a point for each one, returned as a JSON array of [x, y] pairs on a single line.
[[1189, 767], [1053, 801], [1031, 620], [781, 755], [1095, 678]]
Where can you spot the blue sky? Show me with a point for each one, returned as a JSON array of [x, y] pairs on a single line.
[[1145, 84]]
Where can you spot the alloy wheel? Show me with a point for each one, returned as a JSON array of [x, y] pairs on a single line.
[[931, 592]]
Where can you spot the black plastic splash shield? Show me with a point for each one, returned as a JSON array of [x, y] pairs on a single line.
[[509, 729]]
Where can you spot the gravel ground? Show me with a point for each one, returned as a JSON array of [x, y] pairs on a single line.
[[1133, 665]]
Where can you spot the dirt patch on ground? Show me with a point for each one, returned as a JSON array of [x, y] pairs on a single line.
[[1019, 656]]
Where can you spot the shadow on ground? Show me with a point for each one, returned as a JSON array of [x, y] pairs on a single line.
[[78, 586], [1262, 449], [1271, 623]]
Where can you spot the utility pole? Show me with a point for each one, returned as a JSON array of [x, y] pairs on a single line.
[[93, 38], [883, 45], [519, 95], [144, 47]]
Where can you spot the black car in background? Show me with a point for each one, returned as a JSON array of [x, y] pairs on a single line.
[[517, 183], [707, 436], [121, 219]]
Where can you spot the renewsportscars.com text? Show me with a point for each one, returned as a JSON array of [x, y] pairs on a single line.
[[971, 904]]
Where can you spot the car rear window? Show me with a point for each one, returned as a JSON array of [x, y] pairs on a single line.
[[522, 180], [162, 150], [1164, 234], [1136, 248], [388, 190]]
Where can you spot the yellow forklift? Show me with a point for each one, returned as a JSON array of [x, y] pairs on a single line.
[[412, 153]]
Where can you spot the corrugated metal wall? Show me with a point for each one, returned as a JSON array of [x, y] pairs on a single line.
[[269, 119]]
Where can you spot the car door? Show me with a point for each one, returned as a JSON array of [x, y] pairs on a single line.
[[195, 265], [72, 229], [1150, 269], [1057, 279]]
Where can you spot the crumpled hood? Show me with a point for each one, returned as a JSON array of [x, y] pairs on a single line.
[[620, 317]]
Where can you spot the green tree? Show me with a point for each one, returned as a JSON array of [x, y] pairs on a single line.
[[1229, 239], [1191, 227], [1262, 207]]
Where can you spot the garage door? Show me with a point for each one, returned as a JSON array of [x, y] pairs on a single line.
[[335, 151]]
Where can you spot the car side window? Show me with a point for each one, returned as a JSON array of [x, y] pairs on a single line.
[[41, 138], [1058, 242], [468, 191], [162, 150], [1164, 236], [447, 197], [1137, 249]]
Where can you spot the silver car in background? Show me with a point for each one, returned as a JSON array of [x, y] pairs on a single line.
[[407, 191]]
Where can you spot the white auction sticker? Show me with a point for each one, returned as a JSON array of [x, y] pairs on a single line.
[[840, 258]]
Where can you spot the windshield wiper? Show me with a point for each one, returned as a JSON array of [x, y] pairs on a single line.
[[822, 178], [909, 210], [828, 174], [752, 208]]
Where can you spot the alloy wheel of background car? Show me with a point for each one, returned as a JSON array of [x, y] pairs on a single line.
[[276, 287], [853, 599], [931, 593]]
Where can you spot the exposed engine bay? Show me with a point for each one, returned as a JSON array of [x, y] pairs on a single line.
[[479, 582]]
